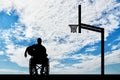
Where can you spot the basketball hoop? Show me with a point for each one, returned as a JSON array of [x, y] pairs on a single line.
[[73, 28]]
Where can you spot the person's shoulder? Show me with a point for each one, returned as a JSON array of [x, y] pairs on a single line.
[[33, 45], [43, 46]]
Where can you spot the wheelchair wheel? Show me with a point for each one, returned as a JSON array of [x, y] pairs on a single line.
[[46, 69], [33, 70]]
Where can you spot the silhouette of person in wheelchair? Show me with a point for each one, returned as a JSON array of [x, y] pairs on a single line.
[[38, 58]]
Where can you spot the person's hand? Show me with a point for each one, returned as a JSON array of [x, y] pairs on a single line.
[[25, 55]]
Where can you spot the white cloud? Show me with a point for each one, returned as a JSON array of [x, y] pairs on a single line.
[[91, 64], [112, 43], [6, 6], [113, 57], [49, 20], [1, 52], [94, 10], [93, 14], [116, 46], [91, 49], [118, 39], [17, 55], [9, 71]]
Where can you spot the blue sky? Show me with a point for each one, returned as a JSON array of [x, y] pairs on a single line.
[[7, 19], [22, 22]]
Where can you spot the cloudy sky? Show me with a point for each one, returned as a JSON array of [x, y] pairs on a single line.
[[23, 21]]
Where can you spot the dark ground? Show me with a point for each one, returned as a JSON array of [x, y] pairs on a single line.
[[60, 77]]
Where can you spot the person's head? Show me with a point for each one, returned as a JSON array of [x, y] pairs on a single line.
[[39, 40]]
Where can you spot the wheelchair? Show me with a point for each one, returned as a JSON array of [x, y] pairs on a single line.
[[39, 66]]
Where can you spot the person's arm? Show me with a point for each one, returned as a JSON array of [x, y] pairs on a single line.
[[45, 52], [25, 54]]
